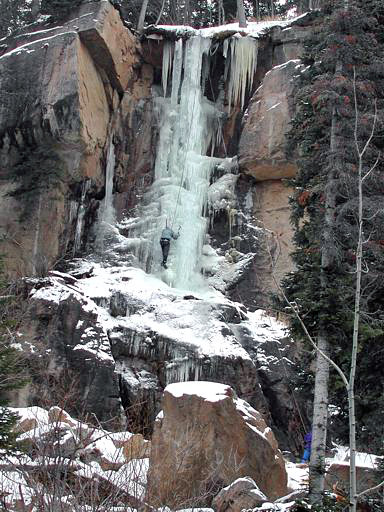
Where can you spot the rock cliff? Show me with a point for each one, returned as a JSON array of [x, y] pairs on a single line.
[[78, 153], [82, 77]]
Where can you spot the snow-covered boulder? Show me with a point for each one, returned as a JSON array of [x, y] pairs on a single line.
[[242, 494], [29, 418], [337, 471], [206, 438]]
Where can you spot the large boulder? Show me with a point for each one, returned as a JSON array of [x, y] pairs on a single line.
[[203, 440], [262, 145], [242, 494], [367, 473]]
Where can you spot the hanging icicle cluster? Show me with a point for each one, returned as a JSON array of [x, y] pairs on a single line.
[[241, 61], [167, 65]]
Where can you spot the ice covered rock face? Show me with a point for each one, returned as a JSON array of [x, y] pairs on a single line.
[[118, 336], [205, 438], [189, 128]]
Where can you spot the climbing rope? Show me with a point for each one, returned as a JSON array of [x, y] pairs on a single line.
[[278, 348]]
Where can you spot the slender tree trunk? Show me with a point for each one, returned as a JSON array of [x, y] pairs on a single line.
[[187, 13], [160, 13], [143, 12], [35, 8], [351, 387], [257, 10], [319, 424], [241, 14], [356, 320], [221, 12], [320, 402]]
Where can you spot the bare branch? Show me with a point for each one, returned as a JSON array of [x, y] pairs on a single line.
[[371, 489]]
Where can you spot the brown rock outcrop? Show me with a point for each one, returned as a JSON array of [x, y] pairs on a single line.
[[241, 494], [77, 74], [271, 209], [206, 438], [136, 447], [338, 473], [262, 151]]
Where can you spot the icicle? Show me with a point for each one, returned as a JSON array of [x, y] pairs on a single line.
[[35, 254], [177, 69], [225, 48], [80, 216], [108, 211], [241, 68], [167, 65], [107, 217]]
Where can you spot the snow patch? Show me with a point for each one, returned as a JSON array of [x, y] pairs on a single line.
[[210, 391]]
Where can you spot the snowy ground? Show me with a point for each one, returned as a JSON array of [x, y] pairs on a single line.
[[55, 439]]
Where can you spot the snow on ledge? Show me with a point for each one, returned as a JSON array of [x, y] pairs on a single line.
[[210, 391], [254, 29]]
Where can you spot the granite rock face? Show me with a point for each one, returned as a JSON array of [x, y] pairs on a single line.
[[69, 357], [262, 151], [203, 440], [70, 109]]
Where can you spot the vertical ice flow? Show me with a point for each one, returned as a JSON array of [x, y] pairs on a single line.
[[167, 65], [80, 216], [107, 216], [188, 125], [107, 209], [37, 238], [178, 196]]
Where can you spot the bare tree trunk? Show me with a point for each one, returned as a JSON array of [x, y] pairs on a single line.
[[319, 424], [356, 319], [257, 6], [160, 13], [241, 14], [221, 12], [143, 12], [187, 13], [320, 402], [35, 8]]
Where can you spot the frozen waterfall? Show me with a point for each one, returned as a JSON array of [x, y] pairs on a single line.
[[189, 125], [178, 196]]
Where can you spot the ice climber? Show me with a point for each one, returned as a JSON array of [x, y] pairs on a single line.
[[165, 241]]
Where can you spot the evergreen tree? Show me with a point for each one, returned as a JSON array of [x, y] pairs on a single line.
[[12, 375], [351, 42], [9, 379]]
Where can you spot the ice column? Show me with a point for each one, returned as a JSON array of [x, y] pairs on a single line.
[[107, 216], [178, 196], [80, 216]]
